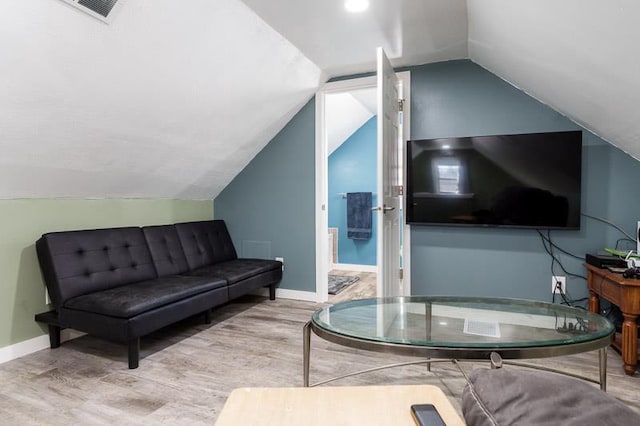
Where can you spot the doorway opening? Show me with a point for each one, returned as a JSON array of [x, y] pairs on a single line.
[[346, 114], [351, 136]]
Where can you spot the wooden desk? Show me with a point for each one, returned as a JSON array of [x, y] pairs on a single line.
[[339, 405], [625, 293]]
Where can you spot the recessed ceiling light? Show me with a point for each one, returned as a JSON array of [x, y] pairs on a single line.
[[355, 6], [446, 146]]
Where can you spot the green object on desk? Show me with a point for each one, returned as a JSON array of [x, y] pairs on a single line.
[[623, 254]]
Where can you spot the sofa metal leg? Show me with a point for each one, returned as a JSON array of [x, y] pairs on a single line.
[[272, 292], [54, 336], [207, 316], [134, 353]]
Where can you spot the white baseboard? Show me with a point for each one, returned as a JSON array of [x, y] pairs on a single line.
[[357, 268], [26, 347], [69, 334], [284, 293], [36, 344]]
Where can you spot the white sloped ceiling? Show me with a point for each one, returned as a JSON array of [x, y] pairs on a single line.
[[347, 112], [578, 56], [171, 100], [410, 31]]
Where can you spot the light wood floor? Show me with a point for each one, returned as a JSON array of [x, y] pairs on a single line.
[[187, 370], [363, 288]]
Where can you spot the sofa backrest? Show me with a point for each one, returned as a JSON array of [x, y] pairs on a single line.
[[166, 250], [205, 242], [80, 262]]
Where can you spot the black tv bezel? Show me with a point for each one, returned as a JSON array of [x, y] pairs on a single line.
[[408, 184]]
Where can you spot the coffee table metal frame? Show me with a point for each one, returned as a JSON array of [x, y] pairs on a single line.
[[435, 354]]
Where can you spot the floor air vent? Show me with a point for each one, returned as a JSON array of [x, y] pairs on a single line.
[[100, 9]]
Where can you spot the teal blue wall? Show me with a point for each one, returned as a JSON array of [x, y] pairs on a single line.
[[353, 168], [456, 98], [462, 99], [272, 201]]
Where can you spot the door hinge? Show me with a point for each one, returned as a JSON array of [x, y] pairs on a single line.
[[401, 274], [400, 105]]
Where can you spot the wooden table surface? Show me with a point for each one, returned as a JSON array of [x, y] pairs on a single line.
[[625, 293], [338, 405]]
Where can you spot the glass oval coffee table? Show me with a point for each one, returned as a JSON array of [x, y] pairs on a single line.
[[461, 328]]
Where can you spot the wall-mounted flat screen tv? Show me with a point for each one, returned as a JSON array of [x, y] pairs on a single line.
[[523, 181]]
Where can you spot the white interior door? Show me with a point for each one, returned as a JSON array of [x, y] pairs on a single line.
[[389, 178], [344, 86]]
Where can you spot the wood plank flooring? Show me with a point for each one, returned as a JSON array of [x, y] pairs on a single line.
[[187, 370]]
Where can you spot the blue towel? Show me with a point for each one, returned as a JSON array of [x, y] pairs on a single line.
[[359, 215]]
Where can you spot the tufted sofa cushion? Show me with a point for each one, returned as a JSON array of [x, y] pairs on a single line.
[[133, 299], [166, 250], [238, 269], [81, 262], [205, 243]]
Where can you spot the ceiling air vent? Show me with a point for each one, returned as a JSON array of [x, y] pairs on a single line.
[[100, 9]]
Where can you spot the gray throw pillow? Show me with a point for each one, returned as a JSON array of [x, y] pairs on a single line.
[[513, 397]]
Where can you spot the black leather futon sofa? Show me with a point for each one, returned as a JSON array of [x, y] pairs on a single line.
[[123, 283]]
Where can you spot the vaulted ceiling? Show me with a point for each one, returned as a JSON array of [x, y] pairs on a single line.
[[172, 99]]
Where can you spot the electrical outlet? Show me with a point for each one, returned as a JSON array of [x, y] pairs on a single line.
[[558, 284], [281, 259]]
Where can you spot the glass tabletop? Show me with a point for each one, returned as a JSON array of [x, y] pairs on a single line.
[[462, 322]]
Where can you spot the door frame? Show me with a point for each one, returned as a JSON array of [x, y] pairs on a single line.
[[321, 176]]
